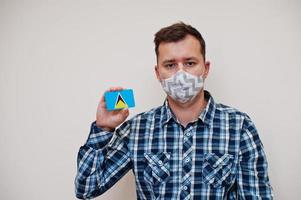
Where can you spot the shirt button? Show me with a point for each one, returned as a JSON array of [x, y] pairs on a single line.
[[160, 163], [185, 187], [188, 134], [187, 160]]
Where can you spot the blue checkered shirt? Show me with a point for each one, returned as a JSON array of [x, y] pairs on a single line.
[[217, 156]]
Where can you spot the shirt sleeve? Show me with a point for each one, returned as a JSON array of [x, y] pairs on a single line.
[[102, 161], [253, 180]]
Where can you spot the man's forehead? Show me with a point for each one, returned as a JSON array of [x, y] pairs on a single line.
[[180, 55], [183, 49]]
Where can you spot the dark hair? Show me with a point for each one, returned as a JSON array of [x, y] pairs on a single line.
[[177, 32]]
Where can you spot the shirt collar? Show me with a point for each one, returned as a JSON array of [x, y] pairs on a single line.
[[206, 116]]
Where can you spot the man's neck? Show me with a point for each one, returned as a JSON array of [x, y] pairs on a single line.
[[190, 111]]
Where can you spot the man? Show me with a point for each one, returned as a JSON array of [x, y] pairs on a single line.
[[189, 148]]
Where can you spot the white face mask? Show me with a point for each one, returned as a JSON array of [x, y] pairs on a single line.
[[183, 86]]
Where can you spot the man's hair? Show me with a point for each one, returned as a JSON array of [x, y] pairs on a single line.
[[177, 32]]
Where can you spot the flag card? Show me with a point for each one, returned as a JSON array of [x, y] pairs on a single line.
[[121, 99]]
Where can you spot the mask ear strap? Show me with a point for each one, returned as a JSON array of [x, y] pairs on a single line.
[[203, 75]]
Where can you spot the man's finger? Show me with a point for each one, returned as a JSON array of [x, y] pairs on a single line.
[[115, 88]]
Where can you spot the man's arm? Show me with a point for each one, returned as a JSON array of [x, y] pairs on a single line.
[[102, 161], [253, 180]]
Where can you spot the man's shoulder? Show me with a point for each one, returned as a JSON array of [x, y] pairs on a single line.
[[233, 115], [230, 111]]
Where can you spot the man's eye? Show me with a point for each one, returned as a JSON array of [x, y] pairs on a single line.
[[190, 64], [170, 65]]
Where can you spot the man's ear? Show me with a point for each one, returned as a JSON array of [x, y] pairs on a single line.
[[157, 72], [207, 68]]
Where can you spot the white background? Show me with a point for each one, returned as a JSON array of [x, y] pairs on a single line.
[[57, 58]]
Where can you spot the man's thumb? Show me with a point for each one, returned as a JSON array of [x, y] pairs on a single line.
[[125, 112]]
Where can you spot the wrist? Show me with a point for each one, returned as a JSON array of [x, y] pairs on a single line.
[[105, 128], [108, 129]]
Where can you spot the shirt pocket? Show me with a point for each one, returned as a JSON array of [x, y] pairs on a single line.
[[217, 169], [157, 167]]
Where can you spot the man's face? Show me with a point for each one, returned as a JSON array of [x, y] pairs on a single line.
[[184, 54]]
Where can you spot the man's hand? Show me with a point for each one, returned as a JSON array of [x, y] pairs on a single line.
[[109, 120]]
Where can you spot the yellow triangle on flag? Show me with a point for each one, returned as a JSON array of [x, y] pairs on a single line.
[[120, 103]]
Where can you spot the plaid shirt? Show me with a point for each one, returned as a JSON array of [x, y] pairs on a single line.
[[218, 156]]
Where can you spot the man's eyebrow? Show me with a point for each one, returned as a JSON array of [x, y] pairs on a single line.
[[168, 61], [191, 58], [173, 60]]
